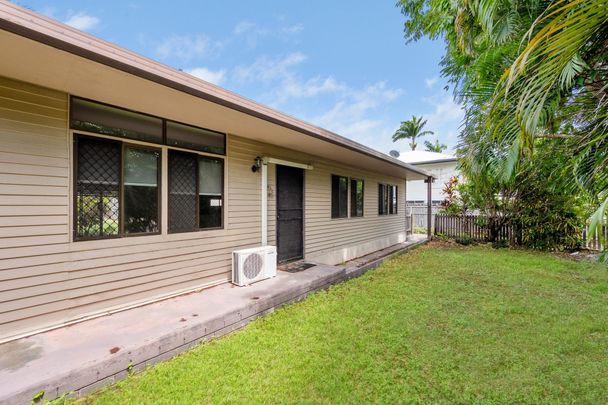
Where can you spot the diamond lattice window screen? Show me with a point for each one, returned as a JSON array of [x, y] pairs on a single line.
[[182, 191], [97, 189]]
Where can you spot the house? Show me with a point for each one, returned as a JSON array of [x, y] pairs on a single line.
[[124, 181], [442, 166]]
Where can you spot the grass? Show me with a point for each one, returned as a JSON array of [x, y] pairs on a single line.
[[438, 324]]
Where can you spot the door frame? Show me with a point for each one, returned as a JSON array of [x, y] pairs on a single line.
[[277, 233]]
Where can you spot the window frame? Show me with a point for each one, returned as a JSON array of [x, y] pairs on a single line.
[[381, 191], [159, 188], [197, 174], [393, 199], [388, 190], [346, 212], [76, 136], [353, 197]]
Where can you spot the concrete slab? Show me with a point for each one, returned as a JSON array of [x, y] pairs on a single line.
[[84, 357]]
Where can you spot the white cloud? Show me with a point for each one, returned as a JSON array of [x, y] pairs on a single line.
[[431, 82], [293, 29], [282, 80], [213, 76], [82, 21], [357, 115], [446, 112], [242, 27], [251, 32], [186, 48], [292, 87], [269, 69]]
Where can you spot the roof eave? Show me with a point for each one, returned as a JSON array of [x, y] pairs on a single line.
[[38, 28]]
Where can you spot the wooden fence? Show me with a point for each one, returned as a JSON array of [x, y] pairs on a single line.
[[476, 228], [470, 226]]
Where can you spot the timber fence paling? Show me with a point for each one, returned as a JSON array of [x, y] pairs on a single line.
[[461, 226], [478, 227]]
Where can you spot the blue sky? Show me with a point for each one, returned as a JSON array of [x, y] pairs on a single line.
[[340, 65]]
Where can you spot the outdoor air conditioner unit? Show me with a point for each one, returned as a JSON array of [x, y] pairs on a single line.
[[255, 264]]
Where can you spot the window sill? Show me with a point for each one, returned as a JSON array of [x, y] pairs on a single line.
[[219, 228]]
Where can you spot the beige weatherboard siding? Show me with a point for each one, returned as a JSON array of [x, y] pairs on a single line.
[[47, 279]]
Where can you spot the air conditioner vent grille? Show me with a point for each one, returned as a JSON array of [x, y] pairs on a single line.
[[253, 265]]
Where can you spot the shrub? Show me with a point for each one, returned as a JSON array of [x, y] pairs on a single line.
[[500, 244], [548, 215], [465, 240]]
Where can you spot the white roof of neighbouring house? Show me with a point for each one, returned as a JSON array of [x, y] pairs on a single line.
[[422, 157]]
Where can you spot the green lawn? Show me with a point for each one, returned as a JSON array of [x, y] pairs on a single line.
[[439, 324]]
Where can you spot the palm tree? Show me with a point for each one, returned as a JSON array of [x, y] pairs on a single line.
[[435, 147], [411, 129], [556, 88], [527, 72]]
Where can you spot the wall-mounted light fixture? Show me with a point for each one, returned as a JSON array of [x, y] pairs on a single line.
[[257, 165]]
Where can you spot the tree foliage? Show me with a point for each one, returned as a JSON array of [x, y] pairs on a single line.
[[532, 76]]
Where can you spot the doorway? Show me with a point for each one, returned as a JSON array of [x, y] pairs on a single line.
[[290, 213]]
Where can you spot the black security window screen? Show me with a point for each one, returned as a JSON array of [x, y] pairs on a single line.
[[195, 192], [356, 198], [97, 189], [339, 196], [116, 189]]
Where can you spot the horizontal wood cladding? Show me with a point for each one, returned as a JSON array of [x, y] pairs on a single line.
[[47, 280], [323, 234]]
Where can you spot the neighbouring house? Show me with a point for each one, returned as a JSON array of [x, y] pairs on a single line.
[[442, 166], [124, 181]]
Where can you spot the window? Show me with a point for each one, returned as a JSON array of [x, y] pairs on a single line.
[[195, 192], [103, 119], [210, 180], [116, 189], [356, 198], [140, 189], [387, 199], [339, 195], [392, 192], [188, 137], [382, 199]]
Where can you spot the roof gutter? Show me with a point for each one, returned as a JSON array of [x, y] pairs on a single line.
[[18, 21], [434, 161]]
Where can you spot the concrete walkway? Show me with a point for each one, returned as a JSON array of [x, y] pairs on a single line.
[[86, 356]]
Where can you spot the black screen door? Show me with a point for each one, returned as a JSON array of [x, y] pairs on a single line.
[[290, 213]]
